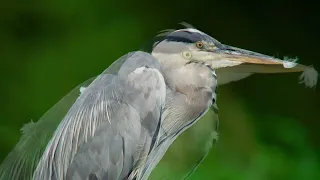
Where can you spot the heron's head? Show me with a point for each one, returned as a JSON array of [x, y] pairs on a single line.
[[186, 46], [189, 45]]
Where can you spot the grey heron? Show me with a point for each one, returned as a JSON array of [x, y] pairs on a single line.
[[125, 119]]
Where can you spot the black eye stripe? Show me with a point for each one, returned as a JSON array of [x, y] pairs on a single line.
[[184, 36], [179, 39]]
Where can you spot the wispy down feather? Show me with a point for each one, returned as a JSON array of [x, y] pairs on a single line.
[[309, 76]]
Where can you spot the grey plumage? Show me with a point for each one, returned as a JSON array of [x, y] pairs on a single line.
[[23, 159], [104, 132], [73, 149]]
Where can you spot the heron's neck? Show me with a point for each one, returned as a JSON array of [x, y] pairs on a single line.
[[191, 88], [185, 77]]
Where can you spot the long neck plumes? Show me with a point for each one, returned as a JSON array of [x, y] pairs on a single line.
[[190, 92]]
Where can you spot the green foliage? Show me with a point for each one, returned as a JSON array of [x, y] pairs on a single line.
[[293, 160]]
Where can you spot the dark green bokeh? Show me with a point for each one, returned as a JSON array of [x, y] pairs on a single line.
[[268, 123]]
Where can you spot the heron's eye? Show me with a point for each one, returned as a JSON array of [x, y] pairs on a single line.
[[199, 44]]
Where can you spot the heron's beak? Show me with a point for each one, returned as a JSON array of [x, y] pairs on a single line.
[[229, 60]]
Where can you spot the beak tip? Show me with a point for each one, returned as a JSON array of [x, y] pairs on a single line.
[[289, 62]]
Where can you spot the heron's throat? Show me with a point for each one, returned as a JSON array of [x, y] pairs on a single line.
[[183, 75], [192, 92], [190, 78]]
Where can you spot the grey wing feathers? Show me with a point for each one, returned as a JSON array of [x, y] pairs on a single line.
[[23, 159], [104, 126]]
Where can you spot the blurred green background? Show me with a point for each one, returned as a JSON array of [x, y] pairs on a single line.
[[269, 124]]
